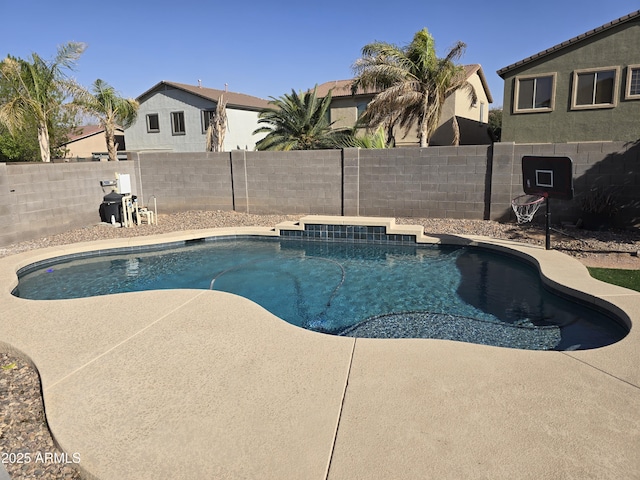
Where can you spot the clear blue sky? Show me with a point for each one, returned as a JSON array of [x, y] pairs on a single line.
[[268, 48]]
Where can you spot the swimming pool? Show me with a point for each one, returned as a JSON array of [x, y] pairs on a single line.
[[358, 289]]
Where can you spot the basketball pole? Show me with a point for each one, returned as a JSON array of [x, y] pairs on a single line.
[[547, 216]]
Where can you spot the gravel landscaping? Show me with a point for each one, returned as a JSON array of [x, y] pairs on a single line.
[[23, 428]]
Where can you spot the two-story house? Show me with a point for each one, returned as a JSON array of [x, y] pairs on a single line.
[[472, 118], [584, 89], [175, 117]]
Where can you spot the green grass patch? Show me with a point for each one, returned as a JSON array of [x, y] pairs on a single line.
[[623, 278]]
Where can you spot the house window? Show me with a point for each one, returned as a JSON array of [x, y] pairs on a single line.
[[633, 82], [153, 123], [596, 88], [207, 116], [535, 93], [482, 113], [362, 107], [177, 123]]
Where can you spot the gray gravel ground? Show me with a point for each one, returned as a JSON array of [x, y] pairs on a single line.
[[23, 428]]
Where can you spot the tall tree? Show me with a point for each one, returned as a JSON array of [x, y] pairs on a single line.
[[298, 122], [35, 90], [413, 84], [495, 124], [111, 110], [217, 127]]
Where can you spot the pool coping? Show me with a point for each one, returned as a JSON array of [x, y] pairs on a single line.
[[318, 407]]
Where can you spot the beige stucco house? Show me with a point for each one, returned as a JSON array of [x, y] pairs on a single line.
[[89, 143], [472, 118]]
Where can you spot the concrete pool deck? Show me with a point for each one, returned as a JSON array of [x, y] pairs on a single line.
[[207, 385]]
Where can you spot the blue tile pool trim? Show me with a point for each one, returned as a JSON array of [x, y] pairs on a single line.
[[311, 232], [348, 233]]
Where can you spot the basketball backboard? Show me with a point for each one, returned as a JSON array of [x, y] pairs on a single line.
[[550, 175]]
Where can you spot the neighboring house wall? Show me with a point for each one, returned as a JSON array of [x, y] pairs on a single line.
[[166, 101], [239, 132], [472, 118], [477, 111], [163, 104], [95, 143], [614, 46], [83, 148], [344, 110]]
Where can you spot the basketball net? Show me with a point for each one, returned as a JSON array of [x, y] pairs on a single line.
[[526, 206]]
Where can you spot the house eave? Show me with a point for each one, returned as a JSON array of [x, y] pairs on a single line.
[[212, 96], [572, 41]]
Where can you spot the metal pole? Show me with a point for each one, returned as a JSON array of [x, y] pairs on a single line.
[[548, 222]]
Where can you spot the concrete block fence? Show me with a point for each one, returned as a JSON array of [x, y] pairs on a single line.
[[437, 182], [40, 199], [465, 182]]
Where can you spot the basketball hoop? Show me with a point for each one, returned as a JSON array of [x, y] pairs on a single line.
[[526, 206]]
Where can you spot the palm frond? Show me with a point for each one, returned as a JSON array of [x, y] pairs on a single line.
[[297, 121], [68, 55], [413, 83]]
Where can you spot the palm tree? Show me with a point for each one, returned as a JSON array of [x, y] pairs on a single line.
[[377, 139], [298, 122], [36, 90], [111, 110], [413, 84]]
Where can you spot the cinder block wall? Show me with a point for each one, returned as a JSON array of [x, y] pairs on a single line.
[[612, 166], [288, 182], [185, 181], [40, 199], [473, 182], [438, 182]]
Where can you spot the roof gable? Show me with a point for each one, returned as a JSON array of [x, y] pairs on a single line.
[[233, 99], [86, 131], [477, 68], [635, 16]]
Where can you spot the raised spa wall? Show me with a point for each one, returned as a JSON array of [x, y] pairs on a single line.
[[369, 229]]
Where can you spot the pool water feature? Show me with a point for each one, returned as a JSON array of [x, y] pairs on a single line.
[[358, 288]]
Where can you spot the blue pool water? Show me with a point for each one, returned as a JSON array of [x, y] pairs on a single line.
[[355, 289]]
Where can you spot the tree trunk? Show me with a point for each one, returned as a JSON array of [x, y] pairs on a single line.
[[423, 127], [424, 140], [109, 134], [43, 140], [456, 131]]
